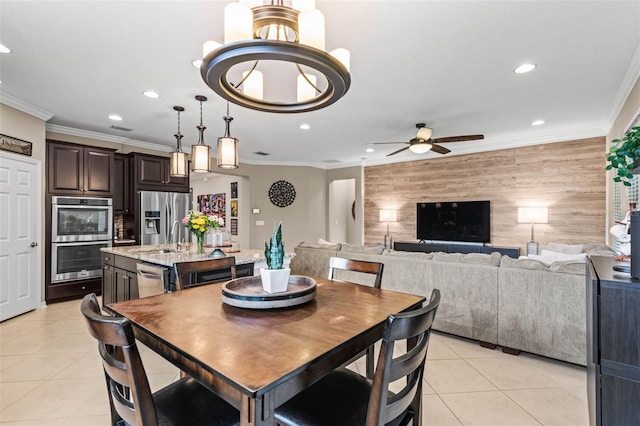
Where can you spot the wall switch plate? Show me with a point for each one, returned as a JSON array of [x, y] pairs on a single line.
[[255, 211]]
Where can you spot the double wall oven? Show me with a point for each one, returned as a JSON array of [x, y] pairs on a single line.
[[80, 227]]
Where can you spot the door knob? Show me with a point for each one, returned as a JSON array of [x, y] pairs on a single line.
[[34, 244]]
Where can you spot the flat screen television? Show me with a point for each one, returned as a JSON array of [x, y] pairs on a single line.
[[466, 221]]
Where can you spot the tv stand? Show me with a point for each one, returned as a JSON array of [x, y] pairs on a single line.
[[453, 247]]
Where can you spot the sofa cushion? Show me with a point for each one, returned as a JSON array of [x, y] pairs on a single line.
[[598, 250], [569, 267], [549, 257], [508, 262], [474, 258], [357, 248], [565, 248], [321, 246], [410, 254]]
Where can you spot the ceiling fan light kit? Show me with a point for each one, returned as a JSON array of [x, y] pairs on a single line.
[[255, 32], [423, 142]]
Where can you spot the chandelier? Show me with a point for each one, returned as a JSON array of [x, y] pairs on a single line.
[[179, 162], [282, 43], [227, 146], [201, 152]]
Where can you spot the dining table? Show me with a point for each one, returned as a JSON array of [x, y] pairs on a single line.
[[257, 359]]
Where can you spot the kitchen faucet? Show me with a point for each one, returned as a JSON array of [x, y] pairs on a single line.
[[173, 225]]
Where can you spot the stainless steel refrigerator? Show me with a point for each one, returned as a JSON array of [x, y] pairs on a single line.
[[161, 216]]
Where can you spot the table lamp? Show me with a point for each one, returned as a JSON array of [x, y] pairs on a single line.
[[533, 215], [388, 215]]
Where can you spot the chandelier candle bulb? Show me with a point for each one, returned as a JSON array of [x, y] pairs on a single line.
[[238, 23], [343, 55], [306, 91], [209, 46], [252, 85], [303, 5], [311, 28]]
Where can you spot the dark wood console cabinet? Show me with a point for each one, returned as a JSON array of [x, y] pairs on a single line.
[[79, 170], [613, 351], [456, 248]]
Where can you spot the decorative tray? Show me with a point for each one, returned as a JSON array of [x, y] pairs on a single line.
[[247, 292]]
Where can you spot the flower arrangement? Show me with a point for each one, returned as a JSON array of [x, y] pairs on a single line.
[[200, 224]]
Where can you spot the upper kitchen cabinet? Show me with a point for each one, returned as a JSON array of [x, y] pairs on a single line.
[[152, 173], [79, 170], [122, 195]]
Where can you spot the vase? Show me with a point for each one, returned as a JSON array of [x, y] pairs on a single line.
[[275, 280], [200, 242]]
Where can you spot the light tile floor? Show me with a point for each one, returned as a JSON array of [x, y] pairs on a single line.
[[50, 374]]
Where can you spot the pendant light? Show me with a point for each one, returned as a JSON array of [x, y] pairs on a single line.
[[201, 153], [179, 160], [227, 146]]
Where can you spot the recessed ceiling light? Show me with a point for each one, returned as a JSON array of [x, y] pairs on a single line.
[[538, 123], [151, 94], [524, 68], [4, 49], [115, 117], [196, 63], [305, 126], [370, 149]]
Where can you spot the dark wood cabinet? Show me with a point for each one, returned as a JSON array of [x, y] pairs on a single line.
[[79, 170], [152, 173], [122, 197], [119, 279], [613, 352]]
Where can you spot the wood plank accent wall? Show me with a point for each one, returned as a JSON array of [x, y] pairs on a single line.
[[567, 177]]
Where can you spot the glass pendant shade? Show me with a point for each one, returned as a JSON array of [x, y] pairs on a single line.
[[200, 158], [179, 164], [420, 148], [227, 153]]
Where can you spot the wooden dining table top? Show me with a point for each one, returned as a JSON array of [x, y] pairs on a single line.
[[252, 352]]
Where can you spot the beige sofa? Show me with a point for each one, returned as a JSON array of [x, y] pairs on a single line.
[[520, 304]]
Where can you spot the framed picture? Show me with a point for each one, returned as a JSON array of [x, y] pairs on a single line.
[[234, 226], [8, 143], [213, 204], [234, 189], [234, 208]]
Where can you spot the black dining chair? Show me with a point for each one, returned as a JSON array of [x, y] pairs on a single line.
[[340, 263], [346, 398], [184, 402], [365, 267], [212, 271]]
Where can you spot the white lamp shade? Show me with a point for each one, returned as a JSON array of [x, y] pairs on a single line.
[[424, 133], [305, 90], [311, 28], [420, 148], [252, 3], [303, 4], [343, 55], [200, 158], [209, 46], [533, 215], [252, 86], [238, 23], [388, 215], [179, 164], [228, 153]]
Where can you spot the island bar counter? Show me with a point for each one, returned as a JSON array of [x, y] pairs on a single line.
[[120, 272]]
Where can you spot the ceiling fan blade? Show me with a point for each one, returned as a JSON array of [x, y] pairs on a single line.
[[458, 138], [398, 151], [439, 149]]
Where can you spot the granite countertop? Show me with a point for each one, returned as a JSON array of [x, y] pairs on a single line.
[[153, 254]]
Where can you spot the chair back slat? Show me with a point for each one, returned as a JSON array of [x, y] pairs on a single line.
[[185, 270], [362, 266], [129, 392], [404, 405]]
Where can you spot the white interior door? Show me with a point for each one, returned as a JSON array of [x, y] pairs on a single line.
[[19, 239], [342, 195]]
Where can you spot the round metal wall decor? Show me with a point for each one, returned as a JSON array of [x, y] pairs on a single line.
[[282, 193]]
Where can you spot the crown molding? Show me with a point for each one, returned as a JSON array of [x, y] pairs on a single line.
[[105, 137], [25, 107], [631, 77]]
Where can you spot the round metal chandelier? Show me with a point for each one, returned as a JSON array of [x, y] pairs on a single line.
[[275, 33]]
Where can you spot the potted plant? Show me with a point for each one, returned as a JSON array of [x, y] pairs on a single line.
[[274, 277], [624, 156]]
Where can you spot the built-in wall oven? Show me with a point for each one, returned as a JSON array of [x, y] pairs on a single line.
[[80, 227]]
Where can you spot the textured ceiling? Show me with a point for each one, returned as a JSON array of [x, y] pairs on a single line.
[[446, 63]]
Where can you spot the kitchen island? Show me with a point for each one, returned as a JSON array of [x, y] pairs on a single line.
[[121, 267]]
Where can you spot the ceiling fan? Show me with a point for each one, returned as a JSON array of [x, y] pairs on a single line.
[[423, 141]]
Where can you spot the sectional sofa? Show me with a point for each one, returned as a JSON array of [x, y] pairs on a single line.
[[518, 304]]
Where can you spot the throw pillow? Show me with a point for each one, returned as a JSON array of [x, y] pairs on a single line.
[[565, 248], [357, 248]]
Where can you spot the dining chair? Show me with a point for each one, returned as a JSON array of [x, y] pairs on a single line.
[[211, 271], [340, 263], [346, 398], [184, 402]]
